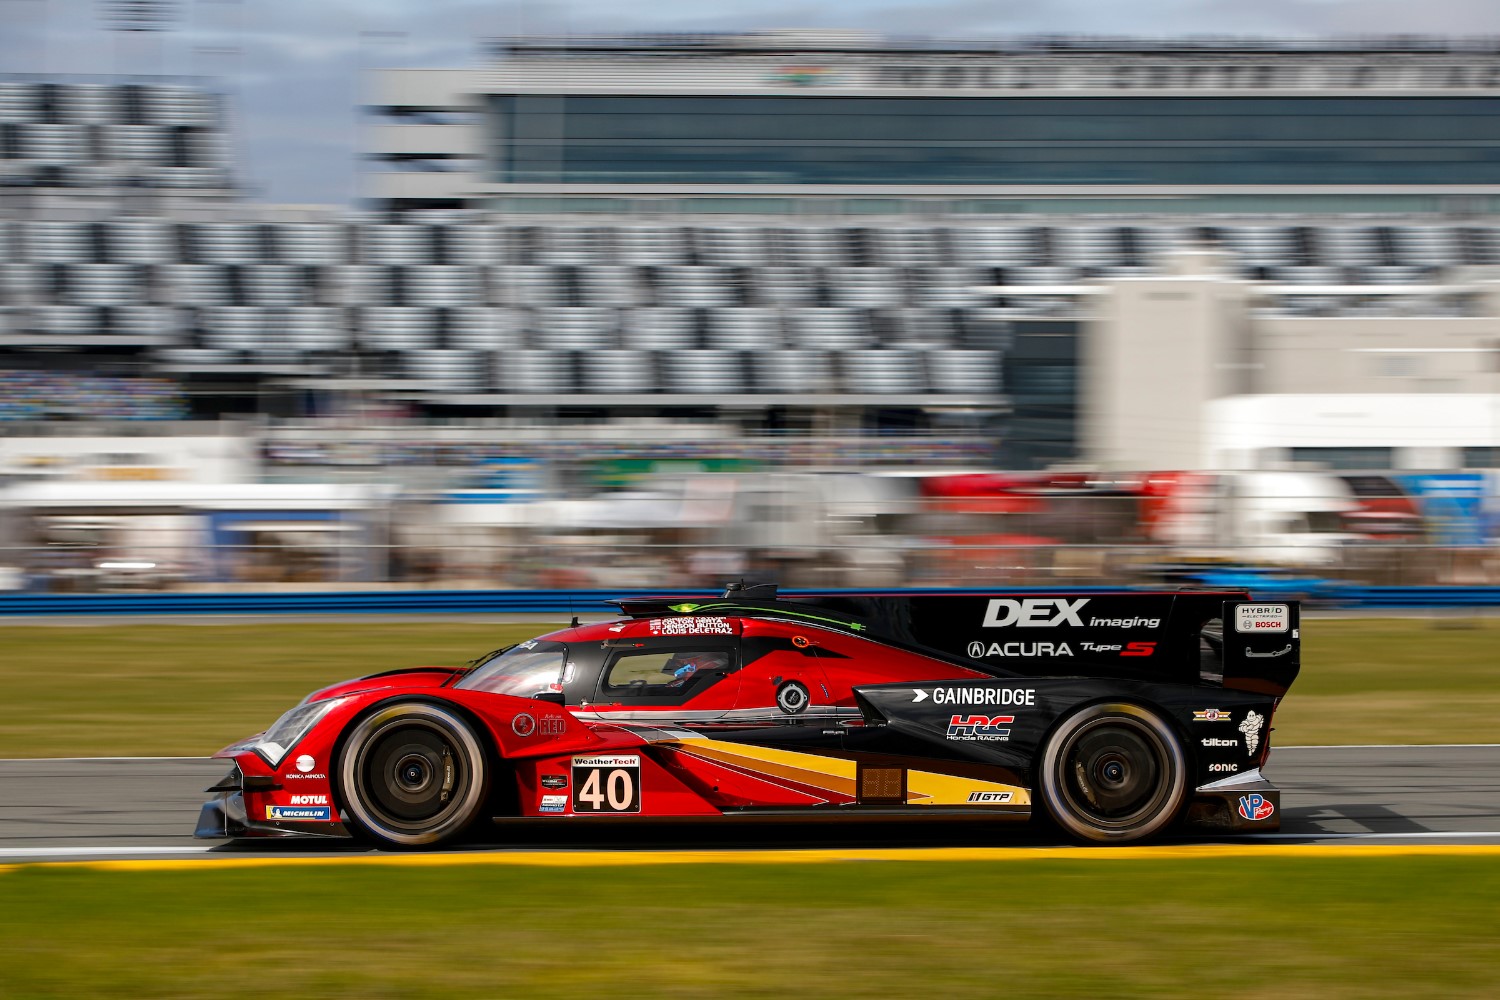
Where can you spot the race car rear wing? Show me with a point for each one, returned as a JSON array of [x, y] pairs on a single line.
[[1261, 646]]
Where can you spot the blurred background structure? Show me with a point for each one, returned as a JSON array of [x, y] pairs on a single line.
[[819, 306]]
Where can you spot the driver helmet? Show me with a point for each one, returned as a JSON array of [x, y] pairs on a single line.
[[684, 665]]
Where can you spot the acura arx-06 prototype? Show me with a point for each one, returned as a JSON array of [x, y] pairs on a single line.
[[1118, 715]]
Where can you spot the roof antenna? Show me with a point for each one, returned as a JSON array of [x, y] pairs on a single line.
[[751, 591]]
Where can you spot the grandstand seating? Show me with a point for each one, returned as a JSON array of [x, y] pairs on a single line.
[[78, 135], [458, 303]]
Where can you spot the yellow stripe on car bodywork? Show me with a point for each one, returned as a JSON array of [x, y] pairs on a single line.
[[833, 774], [928, 788], [838, 774]]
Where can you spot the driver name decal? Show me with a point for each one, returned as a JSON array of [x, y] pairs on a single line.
[[691, 626]]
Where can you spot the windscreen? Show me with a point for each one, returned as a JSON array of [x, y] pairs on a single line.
[[525, 670]]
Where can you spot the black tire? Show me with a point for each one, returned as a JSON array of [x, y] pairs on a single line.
[[1113, 774], [412, 774]]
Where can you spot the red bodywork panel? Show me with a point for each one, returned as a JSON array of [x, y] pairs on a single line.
[[545, 747]]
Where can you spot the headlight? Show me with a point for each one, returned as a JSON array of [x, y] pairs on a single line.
[[288, 730]]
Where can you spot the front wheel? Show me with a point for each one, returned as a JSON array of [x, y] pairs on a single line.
[[1113, 773], [413, 774]]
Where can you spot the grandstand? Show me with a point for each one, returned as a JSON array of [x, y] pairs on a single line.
[[479, 280], [93, 136]]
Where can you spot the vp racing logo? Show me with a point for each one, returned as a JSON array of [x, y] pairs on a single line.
[[980, 728], [1255, 807]]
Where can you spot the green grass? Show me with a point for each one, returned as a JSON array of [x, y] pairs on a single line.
[[1396, 680], [1273, 927], [190, 689], [149, 689]]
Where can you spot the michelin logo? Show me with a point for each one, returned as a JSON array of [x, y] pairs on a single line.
[[1251, 728], [299, 813]]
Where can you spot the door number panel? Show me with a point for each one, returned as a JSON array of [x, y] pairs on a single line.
[[607, 784]]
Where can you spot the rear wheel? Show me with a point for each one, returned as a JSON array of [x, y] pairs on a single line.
[[1113, 773], [413, 774]]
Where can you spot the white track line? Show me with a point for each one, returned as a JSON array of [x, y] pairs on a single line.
[[1419, 835], [98, 852], [1384, 746]]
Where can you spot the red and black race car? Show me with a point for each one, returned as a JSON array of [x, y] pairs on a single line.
[[1116, 714]]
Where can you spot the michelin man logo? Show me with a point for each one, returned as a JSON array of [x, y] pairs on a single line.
[[1251, 728]]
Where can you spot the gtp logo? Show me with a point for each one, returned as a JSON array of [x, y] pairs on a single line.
[[1255, 807], [1034, 612], [983, 728]]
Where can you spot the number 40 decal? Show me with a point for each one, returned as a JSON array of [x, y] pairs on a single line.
[[607, 784]]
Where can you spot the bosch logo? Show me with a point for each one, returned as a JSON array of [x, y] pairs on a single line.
[[980, 728]]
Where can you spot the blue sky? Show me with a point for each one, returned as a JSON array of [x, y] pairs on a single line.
[[292, 65]]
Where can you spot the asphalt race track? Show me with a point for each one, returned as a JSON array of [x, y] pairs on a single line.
[[60, 810]]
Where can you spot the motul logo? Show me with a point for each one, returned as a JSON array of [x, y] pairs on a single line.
[[1034, 612]]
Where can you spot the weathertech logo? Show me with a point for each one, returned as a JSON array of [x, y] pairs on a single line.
[[982, 728]]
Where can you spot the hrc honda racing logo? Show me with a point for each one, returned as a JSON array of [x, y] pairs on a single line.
[[980, 728], [1052, 612]]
